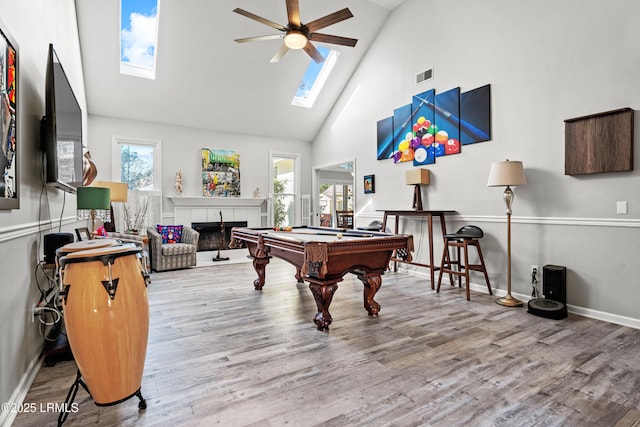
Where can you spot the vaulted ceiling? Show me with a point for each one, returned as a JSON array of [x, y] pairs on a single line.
[[204, 79]]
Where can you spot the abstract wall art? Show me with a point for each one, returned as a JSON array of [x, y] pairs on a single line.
[[220, 173], [9, 183]]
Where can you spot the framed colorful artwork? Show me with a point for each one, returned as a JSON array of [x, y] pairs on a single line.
[[9, 182], [220, 173], [369, 184]]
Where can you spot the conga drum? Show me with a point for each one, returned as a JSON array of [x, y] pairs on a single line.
[[84, 245], [106, 314]]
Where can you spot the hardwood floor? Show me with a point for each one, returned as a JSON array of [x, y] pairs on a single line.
[[221, 353]]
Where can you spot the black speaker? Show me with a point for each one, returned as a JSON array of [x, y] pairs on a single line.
[[52, 242], [554, 289], [554, 283]]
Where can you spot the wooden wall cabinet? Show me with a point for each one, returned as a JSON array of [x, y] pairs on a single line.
[[599, 143]]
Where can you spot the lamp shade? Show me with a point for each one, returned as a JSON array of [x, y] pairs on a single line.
[[506, 173], [119, 190], [92, 198], [416, 176]]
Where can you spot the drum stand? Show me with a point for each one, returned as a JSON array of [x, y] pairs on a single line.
[[71, 396]]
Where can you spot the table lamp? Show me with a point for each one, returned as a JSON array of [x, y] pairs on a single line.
[[93, 202], [507, 173], [417, 177], [119, 193]]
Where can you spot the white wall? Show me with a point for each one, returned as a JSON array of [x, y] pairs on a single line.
[[181, 151], [33, 24], [546, 62]]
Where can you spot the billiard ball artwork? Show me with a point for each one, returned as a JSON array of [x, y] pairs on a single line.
[[434, 125]]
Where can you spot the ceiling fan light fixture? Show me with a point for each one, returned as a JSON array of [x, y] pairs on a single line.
[[295, 40]]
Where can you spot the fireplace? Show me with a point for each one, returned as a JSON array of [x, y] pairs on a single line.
[[210, 234]]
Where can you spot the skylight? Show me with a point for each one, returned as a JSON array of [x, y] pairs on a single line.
[[138, 37], [315, 78]]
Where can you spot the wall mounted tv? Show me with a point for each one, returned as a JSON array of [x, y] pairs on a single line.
[[61, 129]]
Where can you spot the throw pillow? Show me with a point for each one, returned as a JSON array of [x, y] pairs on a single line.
[[100, 231], [170, 233]]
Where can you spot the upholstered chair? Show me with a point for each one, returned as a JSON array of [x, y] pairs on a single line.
[[173, 256]]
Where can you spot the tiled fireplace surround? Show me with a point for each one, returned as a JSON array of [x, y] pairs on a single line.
[[205, 213]]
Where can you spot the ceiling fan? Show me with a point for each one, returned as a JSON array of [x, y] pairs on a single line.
[[298, 35]]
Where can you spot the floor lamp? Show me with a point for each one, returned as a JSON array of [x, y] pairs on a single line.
[[507, 173], [92, 203], [118, 193]]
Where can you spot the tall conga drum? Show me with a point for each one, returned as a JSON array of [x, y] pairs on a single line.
[[106, 314]]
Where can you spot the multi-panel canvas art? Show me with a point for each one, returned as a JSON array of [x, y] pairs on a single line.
[[402, 134], [447, 138], [435, 125], [385, 138], [475, 111], [423, 106], [220, 173]]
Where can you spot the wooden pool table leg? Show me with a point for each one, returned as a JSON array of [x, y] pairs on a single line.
[[323, 294], [259, 264], [372, 283]]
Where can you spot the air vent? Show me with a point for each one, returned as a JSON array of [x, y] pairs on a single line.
[[425, 75]]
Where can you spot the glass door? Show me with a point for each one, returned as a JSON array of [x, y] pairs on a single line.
[[284, 194]]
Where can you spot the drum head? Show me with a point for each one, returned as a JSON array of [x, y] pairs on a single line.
[[104, 255], [86, 245], [98, 252]]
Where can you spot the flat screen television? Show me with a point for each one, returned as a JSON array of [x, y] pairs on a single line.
[[61, 129]]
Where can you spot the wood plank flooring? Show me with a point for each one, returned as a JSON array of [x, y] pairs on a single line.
[[221, 353]]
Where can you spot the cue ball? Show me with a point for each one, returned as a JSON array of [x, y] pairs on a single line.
[[339, 235]]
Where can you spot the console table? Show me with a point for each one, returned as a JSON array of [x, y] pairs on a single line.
[[429, 214]]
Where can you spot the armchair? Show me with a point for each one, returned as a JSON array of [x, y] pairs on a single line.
[[173, 256]]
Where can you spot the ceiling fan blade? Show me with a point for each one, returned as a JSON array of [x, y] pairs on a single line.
[[260, 38], [260, 19], [293, 13], [327, 38], [280, 53], [330, 19], [313, 52]]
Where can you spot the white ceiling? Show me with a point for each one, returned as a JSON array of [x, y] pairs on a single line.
[[206, 80]]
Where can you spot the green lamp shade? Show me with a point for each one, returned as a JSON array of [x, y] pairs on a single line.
[[92, 198]]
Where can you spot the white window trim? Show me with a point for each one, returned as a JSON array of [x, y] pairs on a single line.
[[116, 165], [297, 178]]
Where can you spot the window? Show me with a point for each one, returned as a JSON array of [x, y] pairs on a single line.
[[285, 190], [138, 37], [315, 78], [137, 162]]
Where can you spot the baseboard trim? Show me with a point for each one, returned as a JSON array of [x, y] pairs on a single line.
[[574, 309], [7, 418]]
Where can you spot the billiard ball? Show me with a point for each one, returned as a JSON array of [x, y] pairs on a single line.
[[339, 235], [420, 155]]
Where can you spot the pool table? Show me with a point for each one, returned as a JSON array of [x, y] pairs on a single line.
[[322, 256]]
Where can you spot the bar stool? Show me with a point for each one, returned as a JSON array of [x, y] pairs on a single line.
[[466, 236]]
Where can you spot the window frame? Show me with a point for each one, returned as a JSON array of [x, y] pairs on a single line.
[[116, 164]]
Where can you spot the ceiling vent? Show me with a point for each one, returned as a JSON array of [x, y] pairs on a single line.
[[425, 75]]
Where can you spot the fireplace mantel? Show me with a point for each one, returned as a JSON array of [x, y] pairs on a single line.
[[188, 210], [222, 202]]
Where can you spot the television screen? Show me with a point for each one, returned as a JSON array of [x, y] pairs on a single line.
[[62, 129]]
